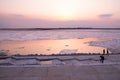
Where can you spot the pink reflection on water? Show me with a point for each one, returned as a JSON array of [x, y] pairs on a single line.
[[50, 46]]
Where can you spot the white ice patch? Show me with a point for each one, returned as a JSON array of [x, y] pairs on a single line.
[[57, 34], [113, 45]]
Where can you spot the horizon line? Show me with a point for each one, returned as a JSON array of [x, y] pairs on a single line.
[[59, 28]]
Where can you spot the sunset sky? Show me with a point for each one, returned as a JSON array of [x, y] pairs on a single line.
[[59, 13]]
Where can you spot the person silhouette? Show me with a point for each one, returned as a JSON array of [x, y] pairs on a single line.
[[103, 51], [102, 58], [107, 52]]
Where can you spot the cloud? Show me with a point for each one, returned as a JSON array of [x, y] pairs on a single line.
[[105, 15], [18, 15]]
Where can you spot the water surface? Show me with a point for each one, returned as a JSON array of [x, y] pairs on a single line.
[[59, 41]]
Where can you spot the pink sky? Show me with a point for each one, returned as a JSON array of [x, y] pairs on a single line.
[[59, 13]]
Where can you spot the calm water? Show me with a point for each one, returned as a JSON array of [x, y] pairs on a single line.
[[59, 41]]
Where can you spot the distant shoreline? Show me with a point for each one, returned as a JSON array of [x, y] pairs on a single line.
[[20, 29]]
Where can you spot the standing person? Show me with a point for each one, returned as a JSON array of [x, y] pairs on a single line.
[[103, 51], [107, 52], [102, 58]]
